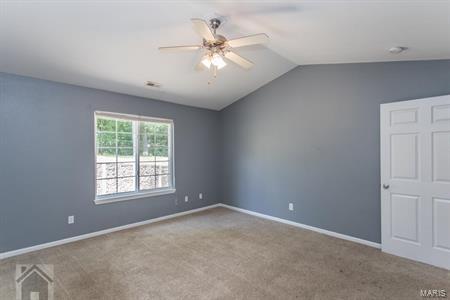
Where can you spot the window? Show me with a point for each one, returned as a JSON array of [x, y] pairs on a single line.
[[133, 156]]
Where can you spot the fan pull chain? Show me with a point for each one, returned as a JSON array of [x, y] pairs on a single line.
[[214, 75]]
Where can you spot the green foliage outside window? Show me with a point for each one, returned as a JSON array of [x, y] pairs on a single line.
[[153, 138], [106, 125]]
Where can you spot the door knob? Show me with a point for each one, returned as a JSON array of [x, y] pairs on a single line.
[[385, 186]]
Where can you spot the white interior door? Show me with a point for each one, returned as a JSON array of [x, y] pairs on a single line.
[[415, 179]]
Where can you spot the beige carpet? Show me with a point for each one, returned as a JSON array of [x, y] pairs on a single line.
[[222, 254]]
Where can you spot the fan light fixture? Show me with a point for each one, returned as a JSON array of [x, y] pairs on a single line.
[[215, 59], [216, 47]]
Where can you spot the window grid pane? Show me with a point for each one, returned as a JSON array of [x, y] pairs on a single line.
[[106, 186], [154, 155], [106, 170], [132, 155], [114, 146]]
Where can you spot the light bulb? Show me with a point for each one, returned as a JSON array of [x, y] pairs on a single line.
[[218, 61], [206, 61]]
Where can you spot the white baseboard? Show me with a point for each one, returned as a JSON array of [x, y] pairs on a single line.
[[101, 232], [109, 230], [319, 230]]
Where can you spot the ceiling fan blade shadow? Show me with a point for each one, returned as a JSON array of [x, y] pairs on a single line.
[[268, 9], [202, 28], [254, 39], [180, 48], [239, 60], [256, 16]]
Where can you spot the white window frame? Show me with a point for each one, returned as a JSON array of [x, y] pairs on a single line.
[[136, 194]]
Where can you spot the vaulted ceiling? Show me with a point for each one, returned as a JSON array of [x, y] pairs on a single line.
[[112, 45]]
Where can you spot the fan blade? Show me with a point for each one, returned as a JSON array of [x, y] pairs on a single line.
[[239, 60], [202, 28], [180, 48], [259, 38]]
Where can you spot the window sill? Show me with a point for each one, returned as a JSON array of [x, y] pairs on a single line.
[[133, 196]]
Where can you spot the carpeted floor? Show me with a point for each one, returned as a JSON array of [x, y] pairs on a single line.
[[222, 254]]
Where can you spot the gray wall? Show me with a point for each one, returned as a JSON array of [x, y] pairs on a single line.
[[311, 137], [47, 160]]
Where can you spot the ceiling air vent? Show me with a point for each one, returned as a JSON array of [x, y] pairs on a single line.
[[153, 84]]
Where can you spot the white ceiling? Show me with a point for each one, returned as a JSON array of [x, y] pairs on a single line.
[[112, 45]]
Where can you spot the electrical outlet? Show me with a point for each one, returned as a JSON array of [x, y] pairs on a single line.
[[200, 196], [186, 198], [70, 219], [291, 206]]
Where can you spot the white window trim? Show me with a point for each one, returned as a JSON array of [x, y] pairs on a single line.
[[137, 194], [133, 195]]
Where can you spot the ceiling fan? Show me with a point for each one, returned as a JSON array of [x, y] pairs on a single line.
[[216, 47]]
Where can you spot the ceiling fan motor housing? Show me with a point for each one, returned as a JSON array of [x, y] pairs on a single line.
[[219, 42]]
